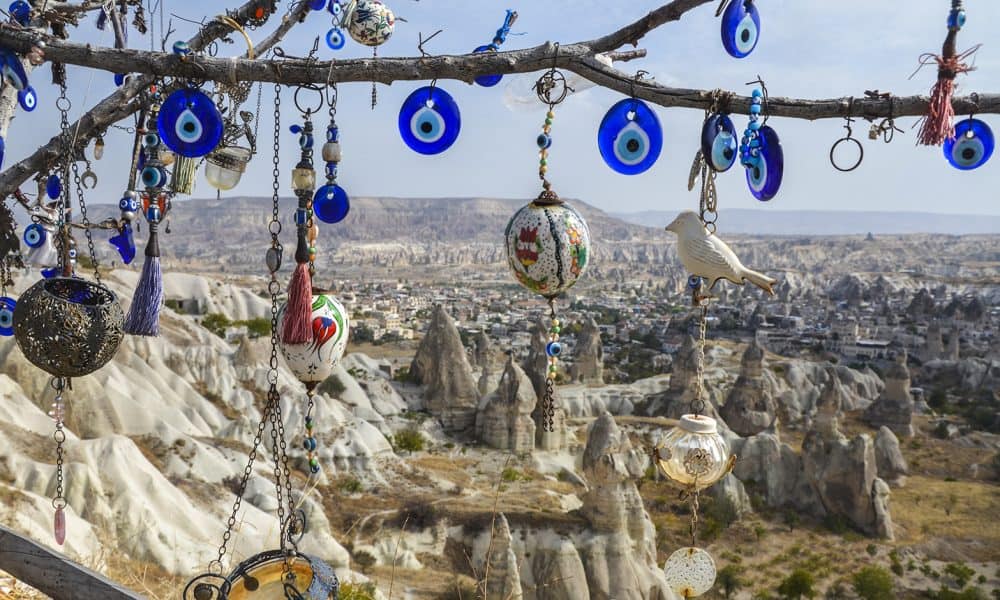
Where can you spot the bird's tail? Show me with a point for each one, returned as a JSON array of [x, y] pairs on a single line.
[[760, 280]]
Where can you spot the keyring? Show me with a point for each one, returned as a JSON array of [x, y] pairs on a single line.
[[857, 163]]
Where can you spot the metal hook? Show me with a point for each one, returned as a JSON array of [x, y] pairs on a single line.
[[423, 40], [640, 76], [847, 138]]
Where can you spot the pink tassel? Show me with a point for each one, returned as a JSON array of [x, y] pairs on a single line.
[[296, 327]]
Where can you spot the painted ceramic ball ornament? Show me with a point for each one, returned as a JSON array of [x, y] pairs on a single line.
[[690, 572], [693, 454], [548, 247], [371, 23], [313, 361]]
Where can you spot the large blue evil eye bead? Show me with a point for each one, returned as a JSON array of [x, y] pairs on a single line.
[[153, 177], [27, 98], [972, 145], [7, 305], [331, 204], [335, 39], [34, 235], [317, 4], [429, 120], [630, 137], [13, 71], [553, 349], [486, 80], [21, 11], [718, 142], [740, 28], [189, 123], [764, 172], [53, 186]]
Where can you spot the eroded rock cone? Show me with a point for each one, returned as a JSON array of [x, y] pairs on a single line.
[[892, 465], [588, 355], [750, 407], [894, 408], [504, 420], [442, 366]]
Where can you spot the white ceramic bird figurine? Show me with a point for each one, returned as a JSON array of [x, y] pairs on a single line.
[[707, 256]]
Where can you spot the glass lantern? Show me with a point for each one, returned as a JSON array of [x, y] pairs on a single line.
[[225, 167], [693, 454]]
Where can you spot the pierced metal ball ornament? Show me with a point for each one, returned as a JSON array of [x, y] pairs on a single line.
[[68, 327], [262, 577]]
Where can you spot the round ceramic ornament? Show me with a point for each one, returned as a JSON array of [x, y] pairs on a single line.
[[690, 572], [313, 361], [548, 247], [189, 123], [371, 23]]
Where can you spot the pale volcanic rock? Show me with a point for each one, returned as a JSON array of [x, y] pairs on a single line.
[[503, 420], [442, 366], [799, 384], [750, 406], [894, 408], [505, 577], [588, 355], [892, 465]]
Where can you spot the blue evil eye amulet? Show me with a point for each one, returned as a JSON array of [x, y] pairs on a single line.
[[34, 235], [7, 305], [761, 154], [27, 98], [335, 39], [189, 123], [972, 145], [740, 28], [429, 120], [719, 142], [630, 137]]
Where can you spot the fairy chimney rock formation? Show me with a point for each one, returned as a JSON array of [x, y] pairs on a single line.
[[952, 353], [894, 408], [536, 365], [588, 356], [828, 409], [504, 575], [750, 406], [481, 350], [441, 365], [892, 466], [504, 417], [934, 345]]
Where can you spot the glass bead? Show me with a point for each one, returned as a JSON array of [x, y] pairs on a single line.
[[301, 216], [754, 125], [333, 134], [331, 203], [486, 80], [153, 213], [34, 235], [630, 137], [317, 4], [429, 120], [224, 168], [53, 187], [312, 250], [555, 321], [331, 152], [553, 349], [698, 456], [765, 174], [690, 572], [309, 444], [189, 123], [181, 48], [303, 179], [718, 142], [13, 70], [755, 108], [27, 98], [694, 282], [972, 145], [756, 93], [335, 8], [331, 170], [314, 468], [124, 242], [543, 141], [740, 28], [7, 306], [128, 203], [335, 38]]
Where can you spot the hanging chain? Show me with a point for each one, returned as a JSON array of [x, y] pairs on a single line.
[[548, 409], [694, 518], [63, 243], [58, 414], [698, 402], [708, 203]]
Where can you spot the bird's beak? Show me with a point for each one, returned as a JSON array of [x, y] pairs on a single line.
[[671, 226]]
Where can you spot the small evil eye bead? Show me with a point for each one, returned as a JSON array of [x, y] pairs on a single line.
[[181, 48], [756, 93], [34, 235], [153, 213], [53, 186], [334, 8], [306, 141], [72, 254], [128, 203], [331, 170], [314, 465], [301, 216], [755, 108], [333, 134], [956, 19], [694, 282], [553, 349], [150, 140], [309, 444], [153, 177], [27, 98], [544, 141]]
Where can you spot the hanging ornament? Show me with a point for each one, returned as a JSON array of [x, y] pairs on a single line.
[[719, 144], [936, 126], [27, 98], [972, 145], [498, 39], [740, 27], [330, 203], [630, 137], [370, 22], [267, 572], [690, 572], [12, 70], [7, 306], [429, 120], [99, 147], [184, 173], [760, 152], [548, 242], [312, 361], [693, 455], [189, 123]]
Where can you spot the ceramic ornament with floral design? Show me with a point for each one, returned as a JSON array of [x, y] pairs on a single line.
[[371, 22], [313, 361], [548, 247]]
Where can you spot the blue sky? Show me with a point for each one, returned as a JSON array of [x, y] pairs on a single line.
[[808, 48]]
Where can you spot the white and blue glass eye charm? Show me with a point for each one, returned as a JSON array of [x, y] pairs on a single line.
[[34, 235], [21, 12], [761, 154], [719, 142], [630, 137], [7, 306], [189, 123], [740, 28], [972, 145], [27, 98], [335, 39], [429, 120], [330, 202], [12, 69]]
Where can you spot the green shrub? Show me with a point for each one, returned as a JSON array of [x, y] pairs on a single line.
[[357, 591], [960, 572], [799, 584], [216, 323], [873, 583], [364, 559], [332, 386], [408, 440], [350, 485], [871, 549], [729, 581]]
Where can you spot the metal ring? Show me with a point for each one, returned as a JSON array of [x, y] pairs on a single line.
[[313, 88], [59, 436], [88, 175], [59, 502], [861, 154]]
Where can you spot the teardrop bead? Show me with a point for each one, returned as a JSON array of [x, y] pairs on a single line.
[[59, 530]]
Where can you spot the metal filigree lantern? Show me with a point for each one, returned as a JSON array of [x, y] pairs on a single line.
[[68, 327], [261, 577], [693, 454]]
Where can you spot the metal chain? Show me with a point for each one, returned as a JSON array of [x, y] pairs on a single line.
[[708, 203], [65, 267], [698, 402], [694, 518], [548, 409], [58, 413], [86, 221]]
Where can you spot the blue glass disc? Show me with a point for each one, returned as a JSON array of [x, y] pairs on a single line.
[[3, 148], [34, 235], [719, 143], [330, 203], [21, 11], [27, 98], [972, 145], [119, 79], [335, 39], [124, 242], [630, 137], [317, 4], [740, 28], [429, 120], [7, 305], [764, 178], [13, 70], [53, 187], [486, 80], [189, 123]]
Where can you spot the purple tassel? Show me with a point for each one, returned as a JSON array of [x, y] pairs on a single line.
[[144, 314]]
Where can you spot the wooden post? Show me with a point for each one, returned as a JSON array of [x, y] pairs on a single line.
[[52, 573]]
